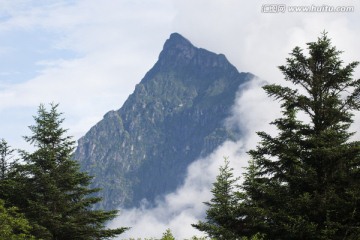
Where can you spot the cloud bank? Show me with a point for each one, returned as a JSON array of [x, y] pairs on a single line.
[[183, 207]]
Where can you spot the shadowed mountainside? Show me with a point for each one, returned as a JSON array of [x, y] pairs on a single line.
[[175, 115]]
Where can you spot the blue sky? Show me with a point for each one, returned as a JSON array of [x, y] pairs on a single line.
[[88, 55]]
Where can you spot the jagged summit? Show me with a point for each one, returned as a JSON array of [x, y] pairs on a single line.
[[179, 54], [177, 40], [178, 45], [175, 115], [179, 51]]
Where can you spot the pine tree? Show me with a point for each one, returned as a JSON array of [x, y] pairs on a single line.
[[51, 190], [6, 155], [6, 166], [167, 235], [304, 183], [13, 225], [221, 222]]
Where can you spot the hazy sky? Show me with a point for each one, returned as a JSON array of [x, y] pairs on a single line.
[[88, 55]]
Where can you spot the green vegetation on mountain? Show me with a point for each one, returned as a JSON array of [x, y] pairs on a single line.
[[304, 183]]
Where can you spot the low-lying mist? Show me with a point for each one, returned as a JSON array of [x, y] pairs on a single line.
[[252, 111]]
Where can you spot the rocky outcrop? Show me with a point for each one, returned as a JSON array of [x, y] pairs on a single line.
[[175, 115]]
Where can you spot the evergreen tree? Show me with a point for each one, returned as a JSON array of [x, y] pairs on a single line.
[[13, 225], [167, 235], [221, 220], [304, 183], [51, 190], [6, 154], [6, 165]]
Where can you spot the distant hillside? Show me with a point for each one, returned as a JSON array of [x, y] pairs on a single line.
[[175, 115]]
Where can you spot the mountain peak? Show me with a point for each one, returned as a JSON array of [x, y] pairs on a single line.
[[179, 52], [177, 37], [175, 115], [177, 48], [177, 40]]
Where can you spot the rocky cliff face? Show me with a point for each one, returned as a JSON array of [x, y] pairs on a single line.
[[175, 115]]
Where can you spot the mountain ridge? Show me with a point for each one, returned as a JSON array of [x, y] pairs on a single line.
[[175, 115]]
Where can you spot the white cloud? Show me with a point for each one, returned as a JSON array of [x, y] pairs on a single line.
[[259, 42], [183, 207], [113, 43]]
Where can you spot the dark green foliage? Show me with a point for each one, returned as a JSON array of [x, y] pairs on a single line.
[[6, 166], [167, 235], [304, 183], [6, 155], [13, 225], [51, 190], [221, 217]]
